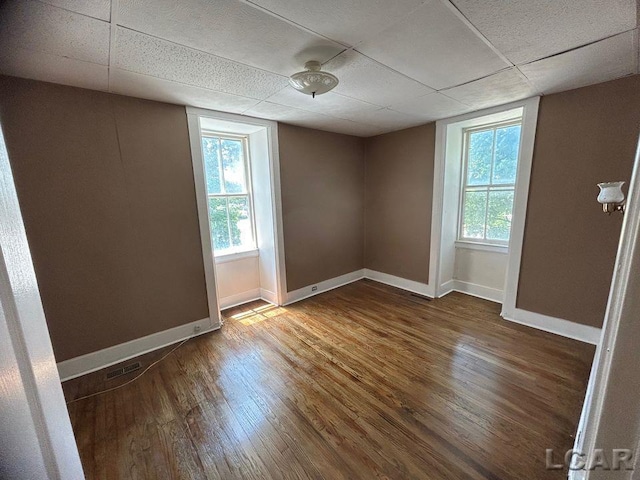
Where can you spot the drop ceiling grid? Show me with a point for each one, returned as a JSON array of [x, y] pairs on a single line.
[[137, 26], [448, 3], [145, 54], [346, 22], [334, 54], [613, 57], [100, 9], [321, 117], [153, 88], [48, 29], [52, 68], [229, 29], [514, 26], [142, 64], [366, 109], [113, 34]]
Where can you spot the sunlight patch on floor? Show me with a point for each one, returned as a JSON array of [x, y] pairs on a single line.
[[258, 314]]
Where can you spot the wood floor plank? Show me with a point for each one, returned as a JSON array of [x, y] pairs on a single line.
[[365, 381]]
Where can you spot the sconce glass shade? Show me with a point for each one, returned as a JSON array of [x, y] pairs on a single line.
[[313, 81], [611, 192]]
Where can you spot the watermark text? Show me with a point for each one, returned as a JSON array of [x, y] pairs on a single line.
[[616, 459]]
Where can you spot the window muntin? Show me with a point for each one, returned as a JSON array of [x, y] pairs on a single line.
[[228, 182], [490, 164]]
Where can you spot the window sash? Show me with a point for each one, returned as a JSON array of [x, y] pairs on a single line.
[[484, 239], [493, 186], [245, 157], [489, 187], [247, 193]]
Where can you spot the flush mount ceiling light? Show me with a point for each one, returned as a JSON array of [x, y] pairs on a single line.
[[312, 81]]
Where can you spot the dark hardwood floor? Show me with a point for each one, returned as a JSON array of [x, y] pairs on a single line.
[[362, 382]]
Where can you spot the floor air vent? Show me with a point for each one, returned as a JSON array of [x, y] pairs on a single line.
[[123, 370]]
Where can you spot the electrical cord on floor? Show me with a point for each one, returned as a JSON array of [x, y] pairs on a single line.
[[134, 378]]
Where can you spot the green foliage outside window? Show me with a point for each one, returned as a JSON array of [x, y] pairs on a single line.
[[229, 204], [492, 160]]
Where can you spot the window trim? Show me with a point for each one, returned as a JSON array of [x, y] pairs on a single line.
[[444, 209], [466, 133], [265, 162], [484, 247], [234, 256], [234, 253]]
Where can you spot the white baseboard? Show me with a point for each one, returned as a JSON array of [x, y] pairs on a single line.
[[239, 298], [446, 288], [398, 282], [480, 291], [269, 296], [78, 366], [584, 333], [558, 326], [323, 286]]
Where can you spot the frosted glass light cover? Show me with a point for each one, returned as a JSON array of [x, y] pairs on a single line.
[[313, 81], [611, 192]]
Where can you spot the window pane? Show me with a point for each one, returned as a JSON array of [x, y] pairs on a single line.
[[233, 164], [479, 158], [507, 145], [499, 216], [211, 154], [475, 205], [218, 223], [240, 220]]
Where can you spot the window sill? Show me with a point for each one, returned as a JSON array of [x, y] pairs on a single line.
[[232, 257], [485, 247]]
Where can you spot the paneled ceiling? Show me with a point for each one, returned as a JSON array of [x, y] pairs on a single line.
[[400, 63]]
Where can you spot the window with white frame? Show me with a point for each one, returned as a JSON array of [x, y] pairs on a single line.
[[230, 204], [490, 164]]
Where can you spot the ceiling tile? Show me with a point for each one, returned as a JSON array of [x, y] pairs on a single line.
[[152, 88], [42, 28], [283, 113], [388, 119], [601, 61], [141, 53], [229, 29], [504, 87], [303, 118], [434, 47], [329, 104], [94, 8], [526, 30], [52, 68], [345, 21], [432, 107], [367, 80], [348, 127]]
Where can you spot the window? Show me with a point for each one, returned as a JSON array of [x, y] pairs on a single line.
[[488, 182], [228, 180]]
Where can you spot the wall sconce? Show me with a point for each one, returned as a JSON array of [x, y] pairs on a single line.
[[611, 197]]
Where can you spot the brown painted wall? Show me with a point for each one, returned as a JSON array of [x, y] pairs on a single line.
[[584, 136], [106, 190], [399, 191], [322, 184]]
